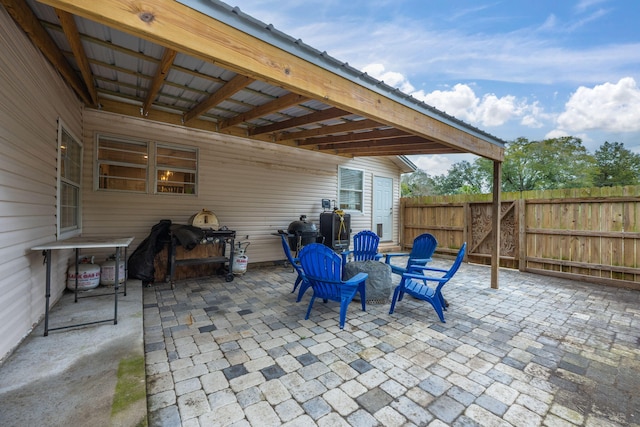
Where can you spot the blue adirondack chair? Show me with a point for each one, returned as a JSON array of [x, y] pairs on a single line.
[[295, 263], [421, 252], [365, 247], [322, 267], [416, 284]]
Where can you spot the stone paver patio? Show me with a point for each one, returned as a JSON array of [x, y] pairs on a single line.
[[539, 351]]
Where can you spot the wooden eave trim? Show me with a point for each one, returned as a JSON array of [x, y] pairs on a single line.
[[186, 30], [70, 29], [28, 21], [158, 79]]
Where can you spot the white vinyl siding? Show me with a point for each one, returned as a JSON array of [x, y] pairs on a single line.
[[32, 99]]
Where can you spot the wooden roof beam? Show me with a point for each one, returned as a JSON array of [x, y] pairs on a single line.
[[277, 104], [234, 85], [396, 142], [158, 79], [357, 136], [70, 29], [318, 116], [395, 151], [28, 21], [301, 136]]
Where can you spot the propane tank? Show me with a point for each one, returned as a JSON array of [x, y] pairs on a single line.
[[240, 259], [108, 272], [88, 274]]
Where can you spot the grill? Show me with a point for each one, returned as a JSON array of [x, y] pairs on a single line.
[[301, 233]]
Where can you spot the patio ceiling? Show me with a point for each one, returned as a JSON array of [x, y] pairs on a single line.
[[209, 66]]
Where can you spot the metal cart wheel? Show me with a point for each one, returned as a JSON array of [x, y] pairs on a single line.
[[229, 277]]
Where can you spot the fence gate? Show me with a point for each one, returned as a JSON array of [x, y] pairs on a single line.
[[480, 234]]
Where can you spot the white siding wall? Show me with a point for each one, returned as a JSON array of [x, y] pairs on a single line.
[[254, 188], [32, 98]]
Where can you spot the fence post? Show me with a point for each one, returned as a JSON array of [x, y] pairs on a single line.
[[522, 233]]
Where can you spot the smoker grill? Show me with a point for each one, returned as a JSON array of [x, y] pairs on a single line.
[[301, 233]]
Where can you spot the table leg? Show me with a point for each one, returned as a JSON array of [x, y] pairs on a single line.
[[47, 260], [115, 287]]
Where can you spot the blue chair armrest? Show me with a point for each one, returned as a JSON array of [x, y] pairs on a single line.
[[345, 255], [360, 277], [424, 268], [423, 277], [390, 255], [378, 256]]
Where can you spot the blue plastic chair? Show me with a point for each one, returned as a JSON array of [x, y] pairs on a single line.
[[421, 252], [322, 267], [365, 247], [295, 263], [416, 285]]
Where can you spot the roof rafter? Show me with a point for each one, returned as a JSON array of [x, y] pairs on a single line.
[[318, 116], [158, 79], [29, 23], [271, 107], [350, 126], [356, 136], [70, 30], [234, 85]]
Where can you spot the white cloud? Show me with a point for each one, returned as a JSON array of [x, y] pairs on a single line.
[[391, 78], [433, 165], [613, 107]]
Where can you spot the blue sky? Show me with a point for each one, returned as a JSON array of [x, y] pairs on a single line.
[[514, 68]]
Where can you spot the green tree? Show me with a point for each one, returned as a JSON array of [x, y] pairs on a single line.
[[616, 166], [563, 163], [520, 170], [416, 184], [462, 178]]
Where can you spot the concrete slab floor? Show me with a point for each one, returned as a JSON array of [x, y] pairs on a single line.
[[69, 378]]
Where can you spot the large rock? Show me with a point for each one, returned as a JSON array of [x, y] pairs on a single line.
[[379, 282]]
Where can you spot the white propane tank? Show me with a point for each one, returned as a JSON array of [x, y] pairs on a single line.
[[108, 273], [240, 259], [88, 275]]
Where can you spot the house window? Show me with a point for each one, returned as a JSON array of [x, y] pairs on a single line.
[[350, 184], [69, 183], [122, 164], [176, 169]]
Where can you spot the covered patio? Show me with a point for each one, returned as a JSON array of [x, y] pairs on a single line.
[[540, 351]]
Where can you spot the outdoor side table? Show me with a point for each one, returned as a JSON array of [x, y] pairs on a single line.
[[78, 243]]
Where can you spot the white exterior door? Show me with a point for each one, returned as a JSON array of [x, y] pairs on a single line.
[[383, 207]]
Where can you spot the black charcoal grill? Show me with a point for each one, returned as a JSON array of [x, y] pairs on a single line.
[[301, 233]]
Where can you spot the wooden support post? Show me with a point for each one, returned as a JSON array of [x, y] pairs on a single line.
[[495, 219]]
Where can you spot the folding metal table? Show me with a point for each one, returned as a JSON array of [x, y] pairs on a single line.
[[78, 243]]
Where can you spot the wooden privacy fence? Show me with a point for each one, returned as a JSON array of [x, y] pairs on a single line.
[[591, 235]]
